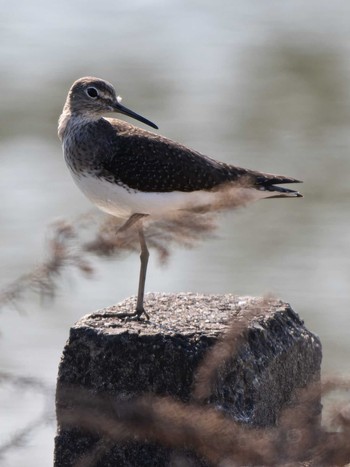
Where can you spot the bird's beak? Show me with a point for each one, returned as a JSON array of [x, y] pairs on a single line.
[[117, 107]]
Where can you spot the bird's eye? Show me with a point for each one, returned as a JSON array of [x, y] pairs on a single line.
[[92, 92]]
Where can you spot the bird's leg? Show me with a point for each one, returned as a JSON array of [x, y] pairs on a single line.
[[143, 269], [131, 221]]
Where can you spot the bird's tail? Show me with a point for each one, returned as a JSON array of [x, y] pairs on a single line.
[[266, 184], [273, 191]]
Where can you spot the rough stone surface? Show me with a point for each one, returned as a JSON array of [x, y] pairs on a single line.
[[160, 356]]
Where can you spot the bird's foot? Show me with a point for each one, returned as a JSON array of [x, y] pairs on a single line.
[[136, 314]]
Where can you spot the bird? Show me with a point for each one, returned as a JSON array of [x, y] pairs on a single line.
[[132, 173]]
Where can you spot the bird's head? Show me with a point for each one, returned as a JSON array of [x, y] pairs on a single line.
[[93, 97]]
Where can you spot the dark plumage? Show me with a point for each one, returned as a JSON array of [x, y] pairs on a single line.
[[148, 162], [124, 154]]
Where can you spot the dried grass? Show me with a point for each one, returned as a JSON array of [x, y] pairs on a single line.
[[219, 440]]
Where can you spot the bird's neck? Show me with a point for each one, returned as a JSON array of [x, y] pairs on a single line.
[[63, 122], [69, 118]]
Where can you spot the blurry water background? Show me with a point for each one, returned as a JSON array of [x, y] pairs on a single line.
[[264, 85]]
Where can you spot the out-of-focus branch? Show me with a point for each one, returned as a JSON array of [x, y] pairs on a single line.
[[68, 247]]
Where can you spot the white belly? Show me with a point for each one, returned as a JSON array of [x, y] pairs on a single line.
[[121, 202]]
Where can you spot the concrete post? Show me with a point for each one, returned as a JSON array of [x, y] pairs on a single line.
[[249, 375]]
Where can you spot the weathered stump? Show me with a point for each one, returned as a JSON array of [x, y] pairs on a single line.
[[267, 354]]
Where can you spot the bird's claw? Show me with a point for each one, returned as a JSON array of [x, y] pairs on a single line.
[[136, 315]]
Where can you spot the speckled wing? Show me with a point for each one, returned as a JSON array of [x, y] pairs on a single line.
[[148, 162]]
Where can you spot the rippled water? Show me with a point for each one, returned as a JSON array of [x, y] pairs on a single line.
[[259, 84]]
